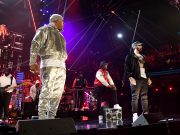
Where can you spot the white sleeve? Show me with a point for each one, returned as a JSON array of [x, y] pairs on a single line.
[[110, 79], [14, 82], [32, 92], [100, 77], [0, 82]]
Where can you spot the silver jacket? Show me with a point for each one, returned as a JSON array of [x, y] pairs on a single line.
[[48, 43]]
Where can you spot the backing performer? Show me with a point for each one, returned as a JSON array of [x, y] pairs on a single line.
[[104, 84], [79, 84], [34, 93], [5, 96], [50, 45]]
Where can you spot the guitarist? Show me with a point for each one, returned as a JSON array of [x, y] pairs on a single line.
[[5, 96]]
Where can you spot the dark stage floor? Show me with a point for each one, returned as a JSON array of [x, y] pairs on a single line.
[[169, 125]]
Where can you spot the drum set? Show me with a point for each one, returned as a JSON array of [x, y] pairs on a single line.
[[77, 99]]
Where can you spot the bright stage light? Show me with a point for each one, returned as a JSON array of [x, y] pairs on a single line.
[[170, 88], [119, 35], [156, 90]]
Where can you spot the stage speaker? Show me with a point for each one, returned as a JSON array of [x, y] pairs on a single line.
[[174, 126], [112, 114], [146, 119], [6, 129], [46, 127]]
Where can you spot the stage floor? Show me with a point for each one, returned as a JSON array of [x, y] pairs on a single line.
[[92, 125]]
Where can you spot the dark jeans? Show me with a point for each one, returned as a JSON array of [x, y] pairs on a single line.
[[102, 91], [4, 104], [141, 88], [36, 102]]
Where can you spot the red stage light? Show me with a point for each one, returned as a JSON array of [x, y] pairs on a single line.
[[10, 106], [122, 94], [84, 118], [170, 88], [156, 89]]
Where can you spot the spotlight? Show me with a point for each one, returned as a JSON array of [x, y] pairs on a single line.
[[170, 88], [119, 35], [156, 90], [112, 12], [47, 11], [122, 94]]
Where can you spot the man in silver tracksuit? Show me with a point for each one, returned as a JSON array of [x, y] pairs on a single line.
[[50, 45]]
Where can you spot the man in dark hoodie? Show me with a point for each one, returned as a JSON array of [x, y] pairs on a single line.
[[137, 73], [104, 84]]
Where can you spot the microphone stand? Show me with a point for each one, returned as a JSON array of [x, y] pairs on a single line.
[[136, 26]]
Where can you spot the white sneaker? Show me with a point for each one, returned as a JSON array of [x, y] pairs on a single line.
[[135, 116], [117, 106]]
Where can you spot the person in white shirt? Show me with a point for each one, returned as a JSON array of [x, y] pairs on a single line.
[[35, 92], [104, 84], [6, 81], [50, 45]]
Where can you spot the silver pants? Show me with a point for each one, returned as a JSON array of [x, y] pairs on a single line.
[[53, 81]]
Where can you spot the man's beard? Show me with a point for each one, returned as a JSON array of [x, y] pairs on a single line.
[[139, 49]]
